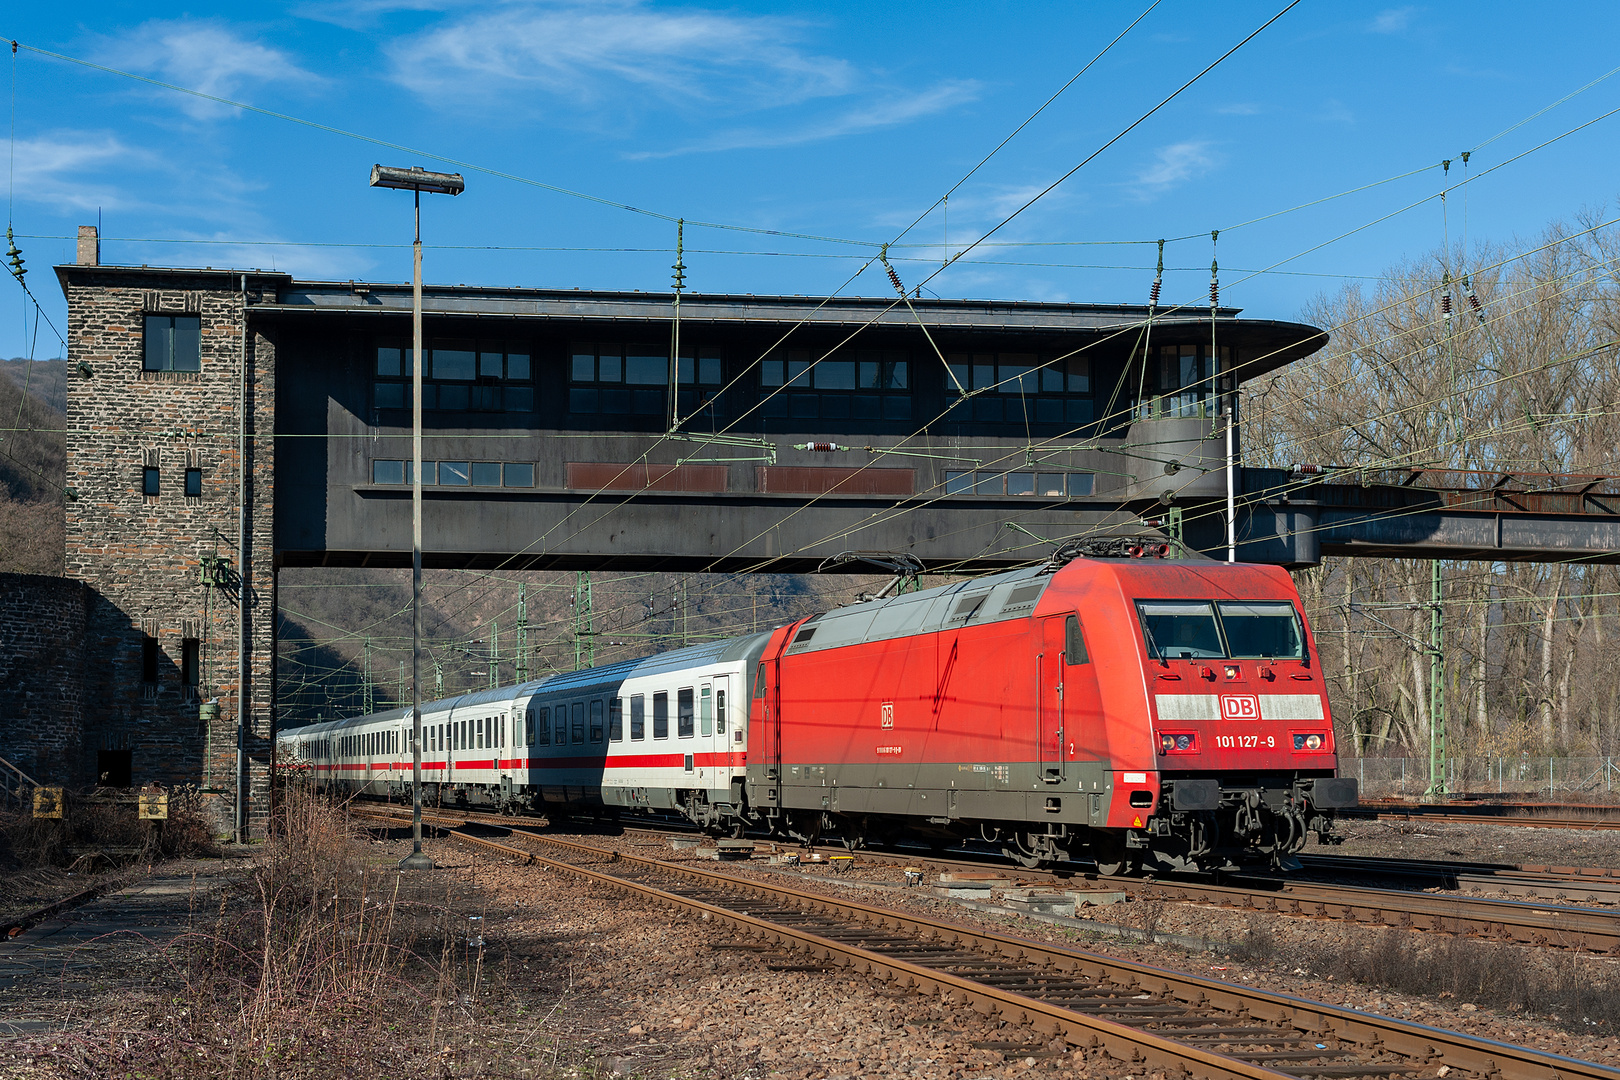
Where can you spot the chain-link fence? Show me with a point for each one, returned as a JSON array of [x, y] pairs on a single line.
[[1545, 777]]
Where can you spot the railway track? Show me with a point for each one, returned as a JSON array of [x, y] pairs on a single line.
[[1542, 924], [1531, 816], [1139, 1015], [1598, 884]]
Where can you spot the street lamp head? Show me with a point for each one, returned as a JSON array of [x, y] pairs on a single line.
[[417, 178]]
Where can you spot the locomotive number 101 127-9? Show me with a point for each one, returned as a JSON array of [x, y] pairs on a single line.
[[1245, 741]]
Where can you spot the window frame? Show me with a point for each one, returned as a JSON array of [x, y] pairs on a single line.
[[660, 715], [170, 349]]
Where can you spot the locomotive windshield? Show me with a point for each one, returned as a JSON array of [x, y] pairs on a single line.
[[1180, 628], [1259, 629], [1197, 629]]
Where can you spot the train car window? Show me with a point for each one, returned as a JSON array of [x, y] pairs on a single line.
[[596, 721], [1180, 629], [615, 720], [705, 711], [1260, 629], [638, 718], [577, 716], [720, 711], [1074, 643], [562, 725], [463, 744], [683, 713], [528, 727], [478, 733], [542, 727], [661, 715]]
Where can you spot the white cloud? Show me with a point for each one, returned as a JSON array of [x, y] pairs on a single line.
[[1393, 20], [53, 170], [889, 112], [1175, 164], [203, 55], [361, 14], [587, 52]]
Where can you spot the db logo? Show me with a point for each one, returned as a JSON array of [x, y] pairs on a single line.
[[1240, 707], [888, 714]]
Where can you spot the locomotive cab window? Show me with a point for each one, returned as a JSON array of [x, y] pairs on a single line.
[[1074, 643], [1262, 629], [1180, 629]]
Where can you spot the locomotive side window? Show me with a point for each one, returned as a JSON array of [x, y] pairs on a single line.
[[683, 713], [1262, 629], [661, 715], [638, 717], [615, 720], [596, 721], [1074, 643], [759, 682], [1180, 629], [576, 715]]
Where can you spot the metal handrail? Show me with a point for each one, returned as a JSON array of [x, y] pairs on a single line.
[[14, 783]]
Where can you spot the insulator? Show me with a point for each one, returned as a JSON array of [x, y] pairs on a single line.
[[1153, 294], [822, 447], [1473, 302], [894, 279], [1306, 470], [1445, 305], [1214, 293]]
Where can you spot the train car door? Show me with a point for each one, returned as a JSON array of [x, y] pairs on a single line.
[[714, 771], [1049, 733]]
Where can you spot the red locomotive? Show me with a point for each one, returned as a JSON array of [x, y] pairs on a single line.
[[1142, 712]]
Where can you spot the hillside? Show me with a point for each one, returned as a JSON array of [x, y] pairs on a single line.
[[33, 450]]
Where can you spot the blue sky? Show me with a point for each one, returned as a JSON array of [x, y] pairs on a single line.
[[841, 121]]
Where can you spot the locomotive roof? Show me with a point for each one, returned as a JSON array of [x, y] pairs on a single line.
[[709, 652], [992, 598]]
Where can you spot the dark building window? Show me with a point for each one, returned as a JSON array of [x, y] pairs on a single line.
[[620, 380], [149, 659], [1186, 380], [173, 343], [1041, 485], [149, 481], [190, 661], [512, 474], [1022, 387], [850, 384], [462, 375], [194, 483]]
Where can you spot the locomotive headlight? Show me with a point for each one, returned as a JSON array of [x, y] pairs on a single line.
[[1308, 742], [1178, 743]]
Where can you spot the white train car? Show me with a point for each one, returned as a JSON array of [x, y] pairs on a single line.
[[668, 732]]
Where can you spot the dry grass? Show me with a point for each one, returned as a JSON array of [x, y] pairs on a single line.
[[1562, 986], [323, 963]]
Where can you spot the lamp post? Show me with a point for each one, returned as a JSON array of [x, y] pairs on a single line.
[[416, 180]]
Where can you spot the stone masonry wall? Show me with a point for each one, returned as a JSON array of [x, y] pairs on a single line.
[[42, 688], [142, 554]]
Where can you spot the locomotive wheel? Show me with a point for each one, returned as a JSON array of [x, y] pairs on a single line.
[[1110, 854]]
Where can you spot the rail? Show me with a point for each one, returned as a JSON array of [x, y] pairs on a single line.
[[1141, 1016], [15, 786]]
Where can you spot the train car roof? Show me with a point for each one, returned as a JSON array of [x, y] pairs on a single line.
[[709, 652]]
